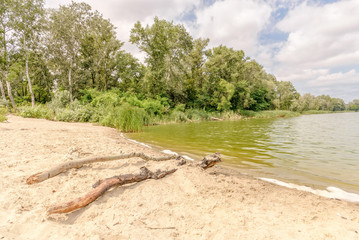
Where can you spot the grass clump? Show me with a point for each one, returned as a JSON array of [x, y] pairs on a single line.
[[178, 116], [126, 118], [269, 114], [309, 112], [197, 115], [3, 111], [39, 111]]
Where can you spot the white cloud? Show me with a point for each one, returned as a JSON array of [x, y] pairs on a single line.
[[321, 36], [234, 23], [328, 80], [124, 14]]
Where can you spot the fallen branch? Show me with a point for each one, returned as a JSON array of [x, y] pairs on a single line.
[[211, 160], [102, 186], [42, 176], [216, 119]]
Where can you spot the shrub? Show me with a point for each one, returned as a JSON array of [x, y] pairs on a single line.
[[269, 114], [132, 119], [197, 114], [75, 113], [106, 99], [88, 95], [180, 107], [83, 113], [155, 107], [126, 118], [247, 113], [61, 99], [39, 111], [66, 115], [3, 111], [178, 116]]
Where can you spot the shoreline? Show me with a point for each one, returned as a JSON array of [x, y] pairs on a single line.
[[189, 204], [331, 192]]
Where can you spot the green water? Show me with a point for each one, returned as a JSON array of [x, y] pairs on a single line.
[[313, 150]]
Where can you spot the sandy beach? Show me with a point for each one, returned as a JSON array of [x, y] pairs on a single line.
[[218, 203]]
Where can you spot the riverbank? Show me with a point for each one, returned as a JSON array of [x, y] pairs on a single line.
[[218, 203]]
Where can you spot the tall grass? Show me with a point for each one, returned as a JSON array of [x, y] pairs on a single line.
[[126, 118], [309, 112], [39, 111], [269, 114]]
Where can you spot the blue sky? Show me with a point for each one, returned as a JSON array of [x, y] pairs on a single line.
[[312, 43]]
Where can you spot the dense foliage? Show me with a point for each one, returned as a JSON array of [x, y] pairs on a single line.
[[70, 61]]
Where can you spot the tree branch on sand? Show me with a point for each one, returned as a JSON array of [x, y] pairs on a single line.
[[42, 176], [102, 186], [207, 162]]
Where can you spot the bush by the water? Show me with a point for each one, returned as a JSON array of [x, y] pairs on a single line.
[[129, 113], [3, 111], [126, 118], [269, 114], [39, 111]]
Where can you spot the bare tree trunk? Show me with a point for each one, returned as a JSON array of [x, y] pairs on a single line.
[[3, 93], [70, 83], [29, 81], [10, 94]]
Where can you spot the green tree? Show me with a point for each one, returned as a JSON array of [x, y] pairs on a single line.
[[27, 26], [222, 70], [286, 94], [67, 29], [7, 45], [130, 73], [99, 51], [195, 77], [166, 46], [354, 105]]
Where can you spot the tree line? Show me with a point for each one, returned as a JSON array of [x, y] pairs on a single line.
[[74, 48]]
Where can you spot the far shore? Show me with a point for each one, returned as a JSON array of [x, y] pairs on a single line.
[[218, 203]]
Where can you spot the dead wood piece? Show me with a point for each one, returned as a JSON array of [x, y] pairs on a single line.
[[211, 160], [182, 162], [216, 119], [42, 176], [106, 184]]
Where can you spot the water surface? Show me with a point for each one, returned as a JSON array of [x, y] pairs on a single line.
[[314, 150]]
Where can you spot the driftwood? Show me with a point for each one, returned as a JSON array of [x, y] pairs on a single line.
[[216, 119], [102, 186], [42, 176], [211, 160]]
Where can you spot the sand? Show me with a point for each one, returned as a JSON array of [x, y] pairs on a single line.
[[218, 203]]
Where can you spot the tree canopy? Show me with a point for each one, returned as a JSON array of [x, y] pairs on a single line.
[[74, 48]]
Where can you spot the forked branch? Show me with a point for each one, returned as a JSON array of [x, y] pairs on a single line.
[[102, 186]]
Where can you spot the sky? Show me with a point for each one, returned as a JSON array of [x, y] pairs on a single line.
[[312, 43]]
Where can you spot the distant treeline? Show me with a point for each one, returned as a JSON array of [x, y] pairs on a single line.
[[74, 49]]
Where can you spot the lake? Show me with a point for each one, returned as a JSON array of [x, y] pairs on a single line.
[[312, 150]]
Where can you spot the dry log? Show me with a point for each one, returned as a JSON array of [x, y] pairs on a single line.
[[216, 119], [211, 160], [42, 176], [102, 186]]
